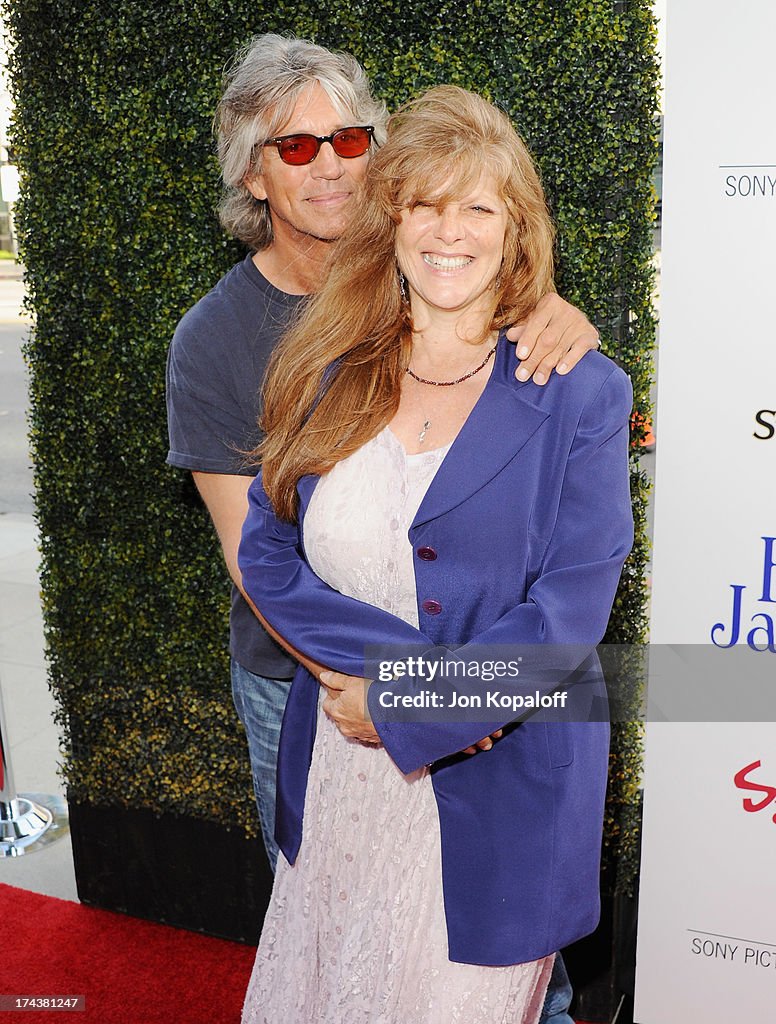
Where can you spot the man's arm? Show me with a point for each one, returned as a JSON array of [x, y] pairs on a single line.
[[226, 498], [554, 337]]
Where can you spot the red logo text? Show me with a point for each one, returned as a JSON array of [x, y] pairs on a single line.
[[767, 793]]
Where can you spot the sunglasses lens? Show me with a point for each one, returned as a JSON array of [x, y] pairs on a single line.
[[303, 148], [351, 142], [298, 149]]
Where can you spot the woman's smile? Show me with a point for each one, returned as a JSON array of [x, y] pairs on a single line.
[[446, 262], [451, 254]]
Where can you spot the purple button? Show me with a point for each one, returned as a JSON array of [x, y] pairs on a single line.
[[427, 554], [432, 607]]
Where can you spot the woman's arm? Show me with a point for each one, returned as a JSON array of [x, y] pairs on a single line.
[[569, 603], [329, 627], [566, 611]]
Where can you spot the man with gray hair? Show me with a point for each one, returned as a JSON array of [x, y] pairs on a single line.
[[295, 126]]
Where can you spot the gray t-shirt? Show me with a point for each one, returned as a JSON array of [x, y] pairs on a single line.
[[215, 368]]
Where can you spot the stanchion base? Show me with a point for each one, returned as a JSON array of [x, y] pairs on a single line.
[[31, 822]]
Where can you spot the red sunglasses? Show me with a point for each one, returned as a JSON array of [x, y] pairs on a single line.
[[303, 148]]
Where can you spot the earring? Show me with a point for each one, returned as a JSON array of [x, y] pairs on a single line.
[[499, 276], [402, 286]]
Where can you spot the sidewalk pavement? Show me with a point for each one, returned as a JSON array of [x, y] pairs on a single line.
[[12, 269], [30, 733], [32, 736]]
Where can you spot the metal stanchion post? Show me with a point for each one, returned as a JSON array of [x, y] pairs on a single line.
[[27, 821]]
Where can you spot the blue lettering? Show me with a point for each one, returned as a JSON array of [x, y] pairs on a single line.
[[768, 643], [735, 625], [769, 564]]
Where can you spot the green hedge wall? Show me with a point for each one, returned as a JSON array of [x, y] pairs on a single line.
[[119, 184]]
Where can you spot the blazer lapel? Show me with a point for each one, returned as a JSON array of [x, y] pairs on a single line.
[[497, 428]]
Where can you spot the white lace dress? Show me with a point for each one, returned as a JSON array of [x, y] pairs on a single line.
[[355, 931]]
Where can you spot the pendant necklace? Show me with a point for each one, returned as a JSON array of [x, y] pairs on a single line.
[[445, 384]]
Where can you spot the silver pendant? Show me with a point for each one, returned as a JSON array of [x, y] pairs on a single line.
[[422, 434]]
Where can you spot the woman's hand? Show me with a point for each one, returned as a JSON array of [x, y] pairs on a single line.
[[554, 337], [346, 706]]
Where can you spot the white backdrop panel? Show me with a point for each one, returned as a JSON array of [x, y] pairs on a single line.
[[707, 921]]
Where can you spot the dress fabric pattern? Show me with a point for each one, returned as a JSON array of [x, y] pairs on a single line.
[[355, 931]]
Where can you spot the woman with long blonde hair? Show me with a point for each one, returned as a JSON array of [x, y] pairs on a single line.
[[414, 493]]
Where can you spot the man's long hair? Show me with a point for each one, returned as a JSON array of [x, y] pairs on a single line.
[[261, 88], [334, 381]]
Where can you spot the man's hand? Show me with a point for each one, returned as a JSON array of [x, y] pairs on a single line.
[[484, 744], [346, 706], [554, 337]]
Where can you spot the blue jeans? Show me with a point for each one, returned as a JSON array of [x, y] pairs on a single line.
[[260, 703], [558, 998]]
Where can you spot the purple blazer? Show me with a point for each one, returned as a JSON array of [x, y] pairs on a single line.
[[528, 520]]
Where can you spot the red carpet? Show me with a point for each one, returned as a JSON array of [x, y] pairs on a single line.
[[130, 971]]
